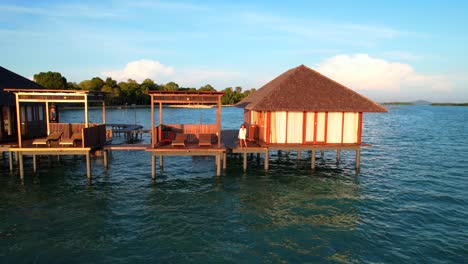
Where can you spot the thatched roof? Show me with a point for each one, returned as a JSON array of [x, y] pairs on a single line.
[[9, 79], [303, 89]]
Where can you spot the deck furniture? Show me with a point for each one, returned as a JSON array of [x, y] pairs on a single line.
[[76, 136], [204, 140], [54, 136], [179, 140]]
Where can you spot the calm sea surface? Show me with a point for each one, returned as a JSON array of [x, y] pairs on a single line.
[[408, 203]]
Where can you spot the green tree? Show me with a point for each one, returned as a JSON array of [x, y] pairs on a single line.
[[207, 88], [170, 86], [148, 85], [73, 86], [51, 80]]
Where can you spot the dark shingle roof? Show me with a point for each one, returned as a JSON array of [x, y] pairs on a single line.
[[303, 89], [9, 79]]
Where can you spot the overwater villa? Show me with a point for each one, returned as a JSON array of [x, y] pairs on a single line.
[[50, 137], [302, 109]]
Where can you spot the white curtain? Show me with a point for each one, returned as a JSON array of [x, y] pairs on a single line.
[[351, 121], [334, 127], [310, 124], [295, 125], [320, 127], [280, 127]]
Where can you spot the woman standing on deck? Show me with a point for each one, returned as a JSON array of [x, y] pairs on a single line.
[[242, 135]]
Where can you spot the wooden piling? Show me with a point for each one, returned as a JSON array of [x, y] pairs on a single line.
[[358, 157], [153, 167], [299, 155], [88, 166], [10, 159], [218, 165], [34, 164], [245, 162], [266, 159], [161, 162], [322, 153], [21, 164], [106, 164], [224, 161], [312, 160], [338, 155]]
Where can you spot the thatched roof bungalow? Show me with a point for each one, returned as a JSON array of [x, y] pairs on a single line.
[[302, 106]]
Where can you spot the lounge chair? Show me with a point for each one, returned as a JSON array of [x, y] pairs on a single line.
[[54, 136], [76, 136], [179, 140], [204, 140]]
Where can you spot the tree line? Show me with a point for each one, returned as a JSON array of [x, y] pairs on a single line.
[[131, 92]]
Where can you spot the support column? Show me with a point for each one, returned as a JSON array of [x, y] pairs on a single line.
[[322, 153], [224, 160], [10, 159], [21, 167], [312, 160], [106, 164], [34, 164], [153, 166], [245, 162], [218, 165], [338, 155], [266, 156], [299, 155], [88, 166], [161, 162], [358, 157]]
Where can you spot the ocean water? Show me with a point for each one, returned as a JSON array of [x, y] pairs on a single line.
[[407, 204]]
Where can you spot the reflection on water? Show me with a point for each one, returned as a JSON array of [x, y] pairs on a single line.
[[407, 203]]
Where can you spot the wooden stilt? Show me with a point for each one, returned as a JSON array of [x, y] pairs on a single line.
[[218, 165], [10, 159], [21, 167], [161, 162], [322, 154], [88, 166], [224, 161], [266, 160], [245, 162], [299, 155], [358, 158], [106, 163], [287, 152], [153, 167], [312, 160], [338, 155], [34, 164]]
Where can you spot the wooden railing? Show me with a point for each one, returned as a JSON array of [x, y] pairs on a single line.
[[194, 129]]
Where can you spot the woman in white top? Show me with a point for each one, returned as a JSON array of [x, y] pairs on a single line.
[[242, 135]]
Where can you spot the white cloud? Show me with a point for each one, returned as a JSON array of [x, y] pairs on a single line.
[[362, 72], [140, 70], [187, 77]]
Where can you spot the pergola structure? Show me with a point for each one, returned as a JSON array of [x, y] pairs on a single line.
[[187, 98], [92, 137], [47, 96]]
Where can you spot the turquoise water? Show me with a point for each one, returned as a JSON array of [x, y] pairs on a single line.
[[408, 203]]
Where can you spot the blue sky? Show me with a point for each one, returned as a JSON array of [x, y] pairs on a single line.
[[398, 50]]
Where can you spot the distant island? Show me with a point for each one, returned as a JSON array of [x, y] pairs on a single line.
[[423, 102]]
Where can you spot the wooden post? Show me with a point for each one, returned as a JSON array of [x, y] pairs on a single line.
[[218, 120], [152, 123], [266, 159], [106, 164], [224, 160], [160, 121], [358, 157], [103, 112], [218, 165], [161, 162], [10, 159], [47, 117], [245, 161], [20, 156], [18, 122], [88, 166], [153, 166], [338, 155], [299, 154], [34, 164], [86, 110], [322, 153], [312, 160]]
